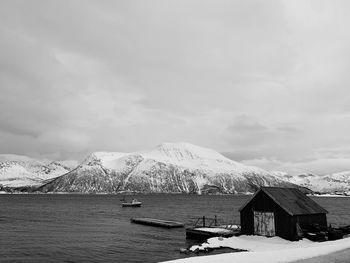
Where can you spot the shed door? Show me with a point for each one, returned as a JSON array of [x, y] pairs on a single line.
[[264, 224]]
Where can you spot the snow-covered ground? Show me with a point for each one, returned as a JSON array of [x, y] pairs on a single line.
[[263, 249]]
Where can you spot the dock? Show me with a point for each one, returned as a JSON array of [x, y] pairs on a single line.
[[205, 227], [201, 233], [157, 222]]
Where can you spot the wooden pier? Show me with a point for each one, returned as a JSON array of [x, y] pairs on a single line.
[[205, 228], [205, 233], [156, 222], [202, 233]]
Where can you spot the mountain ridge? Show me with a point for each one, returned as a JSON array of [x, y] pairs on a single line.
[[335, 183], [22, 171], [169, 168]]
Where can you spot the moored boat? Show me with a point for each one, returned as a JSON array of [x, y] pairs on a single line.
[[133, 203]]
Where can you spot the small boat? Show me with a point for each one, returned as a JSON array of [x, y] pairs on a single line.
[[134, 203]]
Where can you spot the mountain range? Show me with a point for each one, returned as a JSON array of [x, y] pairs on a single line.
[[20, 171], [336, 183], [169, 168]]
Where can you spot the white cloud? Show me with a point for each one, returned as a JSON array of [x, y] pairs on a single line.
[[259, 80]]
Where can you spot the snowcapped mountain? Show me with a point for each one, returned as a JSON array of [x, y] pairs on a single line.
[[336, 183], [21, 171], [169, 168]]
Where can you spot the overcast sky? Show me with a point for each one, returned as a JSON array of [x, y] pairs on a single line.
[[264, 82]]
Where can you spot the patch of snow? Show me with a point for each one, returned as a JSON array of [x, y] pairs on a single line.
[[107, 159], [71, 164], [263, 249]]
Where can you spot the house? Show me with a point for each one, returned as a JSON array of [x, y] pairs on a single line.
[[277, 211]]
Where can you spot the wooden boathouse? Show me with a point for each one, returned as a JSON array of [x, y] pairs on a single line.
[[276, 211]]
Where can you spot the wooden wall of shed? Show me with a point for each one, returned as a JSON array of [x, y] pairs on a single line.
[[283, 221], [305, 220], [247, 221]]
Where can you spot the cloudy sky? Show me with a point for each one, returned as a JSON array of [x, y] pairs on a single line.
[[264, 82]]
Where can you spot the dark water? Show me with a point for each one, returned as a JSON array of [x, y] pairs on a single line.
[[95, 228]]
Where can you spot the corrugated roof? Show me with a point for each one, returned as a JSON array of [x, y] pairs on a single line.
[[292, 200]]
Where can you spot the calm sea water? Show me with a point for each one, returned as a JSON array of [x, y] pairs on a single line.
[[95, 228]]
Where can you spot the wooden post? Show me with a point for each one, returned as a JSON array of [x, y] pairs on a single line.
[[215, 222], [203, 221]]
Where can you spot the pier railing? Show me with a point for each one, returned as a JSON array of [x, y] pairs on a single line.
[[205, 221]]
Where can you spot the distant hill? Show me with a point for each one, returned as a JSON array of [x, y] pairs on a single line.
[[22, 171], [169, 168], [336, 183]]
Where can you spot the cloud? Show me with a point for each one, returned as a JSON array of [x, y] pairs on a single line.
[[247, 124], [256, 80], [67, 139]]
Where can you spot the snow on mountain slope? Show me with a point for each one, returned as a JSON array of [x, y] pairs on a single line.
[[337, 182], [169, 168], [21, 171], [194, 157], [330, 184], [106, 159]]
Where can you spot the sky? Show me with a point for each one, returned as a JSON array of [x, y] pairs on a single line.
[[266, 82]]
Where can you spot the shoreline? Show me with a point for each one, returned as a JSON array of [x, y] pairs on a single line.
[[130, 193]]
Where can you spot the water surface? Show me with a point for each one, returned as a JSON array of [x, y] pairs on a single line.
[[95, 228]]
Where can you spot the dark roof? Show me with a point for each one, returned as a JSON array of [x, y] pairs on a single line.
[[292, 200]]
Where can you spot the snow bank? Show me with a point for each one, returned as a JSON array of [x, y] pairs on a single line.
[[263, 249]]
